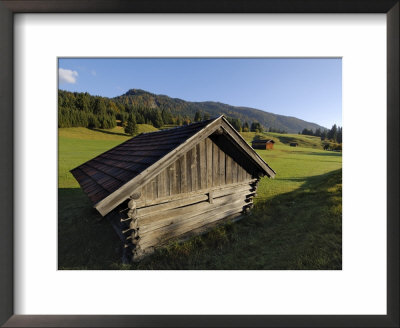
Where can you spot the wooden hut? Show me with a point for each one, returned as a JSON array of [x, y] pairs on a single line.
[[173, 183], [263, 144], [293, 144]]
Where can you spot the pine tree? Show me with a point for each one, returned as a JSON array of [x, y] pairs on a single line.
[[158, 121], [166, 116], [131, 126], [99, 106], [332, 133], [197, 117], [256, 127], [339, 135], [324, 135], [206, 116]]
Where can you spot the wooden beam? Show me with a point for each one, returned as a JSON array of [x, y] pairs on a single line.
[[172, 204], [152, 217], [144, 203], [183, 215], [161, 235]]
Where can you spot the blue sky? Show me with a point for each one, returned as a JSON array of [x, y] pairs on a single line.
[[310, 89]]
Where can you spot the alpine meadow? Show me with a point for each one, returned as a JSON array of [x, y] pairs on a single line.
[[296, 221]]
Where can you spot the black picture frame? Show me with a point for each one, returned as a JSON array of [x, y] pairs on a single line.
[[10, 7]]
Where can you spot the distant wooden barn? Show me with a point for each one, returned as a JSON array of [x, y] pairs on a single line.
[[173, 183], [263, 144], [294, 144]]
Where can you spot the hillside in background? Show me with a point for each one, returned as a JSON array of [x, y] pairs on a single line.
[[137, 97], [84, 110]]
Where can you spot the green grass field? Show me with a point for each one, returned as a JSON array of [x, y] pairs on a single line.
[[296, 222]]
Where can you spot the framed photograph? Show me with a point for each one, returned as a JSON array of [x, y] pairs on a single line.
[[61, 137]]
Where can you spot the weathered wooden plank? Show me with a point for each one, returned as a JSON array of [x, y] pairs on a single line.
[[245, 174], [240, 173], [189, 220], [230, 191], [221, 168], [188, 223], [182, 161], [172, 180], [149, 191], [193, 232], [228, 169], [161, 184], [143, 192], [177, 175], [189, 170], [168, 181], [209, 162], [202, 165], [234, 172], [159, 209], [215, 165], [171, 204], [193, 168], [200, 158], [151, 219], [155, 187], [160, 235], [232, 187]]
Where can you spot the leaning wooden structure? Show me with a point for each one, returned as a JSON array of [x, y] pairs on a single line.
[[173, 183]]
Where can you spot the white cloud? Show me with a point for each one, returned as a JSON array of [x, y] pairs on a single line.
[[67, 75]]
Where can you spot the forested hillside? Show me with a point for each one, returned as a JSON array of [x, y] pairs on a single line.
[[83, 109]]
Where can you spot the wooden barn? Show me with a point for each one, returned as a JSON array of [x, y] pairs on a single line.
[[294, 144], [173, 183], [263, 144]]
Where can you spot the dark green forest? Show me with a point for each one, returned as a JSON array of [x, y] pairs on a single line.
[[84, 110], [335, 133]]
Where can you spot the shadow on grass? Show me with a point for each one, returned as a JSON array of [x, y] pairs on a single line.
[[325, 153], [110, 132], [85, 240], [286, 139], [293, 231]]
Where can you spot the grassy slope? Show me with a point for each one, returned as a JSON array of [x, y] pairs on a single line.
[[78, 145], [296, 223], [286, 139]]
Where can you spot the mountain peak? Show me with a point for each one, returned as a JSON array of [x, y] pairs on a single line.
[[136, 92]]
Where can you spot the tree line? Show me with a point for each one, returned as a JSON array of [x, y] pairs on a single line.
[[80, 109], [334, 134], [76, 109]]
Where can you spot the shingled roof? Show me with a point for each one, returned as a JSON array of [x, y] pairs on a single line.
[[107, 172], [102, 176]]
